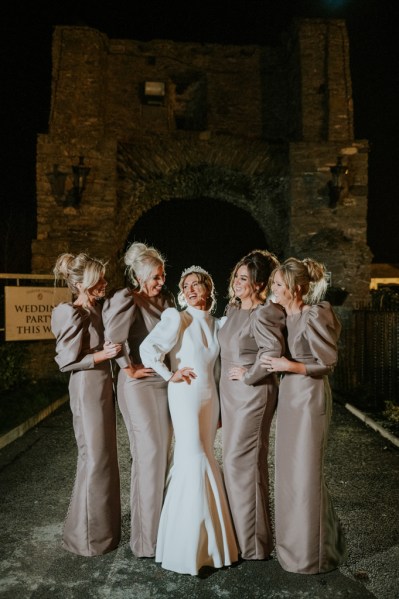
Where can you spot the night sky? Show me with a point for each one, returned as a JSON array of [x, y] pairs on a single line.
[[26, 32]]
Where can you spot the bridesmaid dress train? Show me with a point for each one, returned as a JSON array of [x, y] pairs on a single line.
[[195, 528]]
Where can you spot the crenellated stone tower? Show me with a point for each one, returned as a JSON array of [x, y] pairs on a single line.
[[255, 126]]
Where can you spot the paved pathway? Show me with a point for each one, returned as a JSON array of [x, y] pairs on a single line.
[[36, 476]]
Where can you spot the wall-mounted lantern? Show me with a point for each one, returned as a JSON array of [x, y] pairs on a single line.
[[338, 181], [154, 93], [57, 179]]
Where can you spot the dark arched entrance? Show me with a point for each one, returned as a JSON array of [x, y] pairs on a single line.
[[211, 233]]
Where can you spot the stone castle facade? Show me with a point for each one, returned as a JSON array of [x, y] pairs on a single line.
[[257, 127]]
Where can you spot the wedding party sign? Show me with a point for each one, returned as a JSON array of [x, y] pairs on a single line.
[[28, 311]]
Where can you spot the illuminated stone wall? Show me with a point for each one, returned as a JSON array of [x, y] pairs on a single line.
[[255, 126]]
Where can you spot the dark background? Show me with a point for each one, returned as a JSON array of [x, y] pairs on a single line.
[[25, 78]]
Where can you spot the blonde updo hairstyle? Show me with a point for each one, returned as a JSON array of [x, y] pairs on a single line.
[[140, 261], [79, 269], [206, 283], [307, 274], [260, 265]]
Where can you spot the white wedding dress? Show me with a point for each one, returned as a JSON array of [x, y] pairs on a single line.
[[195, 528]]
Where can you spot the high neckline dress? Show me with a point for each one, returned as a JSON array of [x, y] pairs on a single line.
[[247, 408], [93, 522], [128, 318], [309, 537], [195, 528]]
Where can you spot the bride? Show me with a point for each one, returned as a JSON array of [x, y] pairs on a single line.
[[195, 528]]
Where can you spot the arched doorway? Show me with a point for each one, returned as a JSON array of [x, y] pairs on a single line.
[[211, 233]]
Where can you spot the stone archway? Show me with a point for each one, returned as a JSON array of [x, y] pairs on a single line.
[[214, 234], [248, 178]]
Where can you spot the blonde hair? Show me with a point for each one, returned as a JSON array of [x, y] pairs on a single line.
[[260, 265], [307, 274], [79, 269], [206, 284], [140, 261]]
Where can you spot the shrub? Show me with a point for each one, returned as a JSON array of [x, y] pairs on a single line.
[[12, 365]]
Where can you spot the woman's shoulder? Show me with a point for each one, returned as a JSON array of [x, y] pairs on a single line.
[[118, 294], [322, 309], [322, 314], [66, 315], [67, 310], [170, 314], [63, 307], [230, 309], [119, 299], [270, 312]]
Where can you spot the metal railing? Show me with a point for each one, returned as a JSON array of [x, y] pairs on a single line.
[[368, 365]]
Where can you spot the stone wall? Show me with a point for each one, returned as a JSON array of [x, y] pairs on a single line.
[[255, 126]]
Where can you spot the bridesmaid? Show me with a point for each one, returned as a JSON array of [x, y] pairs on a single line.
[[129, 315], [248, 399], [309, 538], [93, 522]]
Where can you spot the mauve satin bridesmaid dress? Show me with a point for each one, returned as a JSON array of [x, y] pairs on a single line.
[[247, 409], [128, 318], [93, 523], [309, 537]]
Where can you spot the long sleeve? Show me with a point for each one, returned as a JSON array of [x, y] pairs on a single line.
[[118, 316], [160, 341], [267, 328], [69, 326], [322, 331]]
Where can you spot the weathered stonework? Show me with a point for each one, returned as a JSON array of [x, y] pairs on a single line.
[[254, 126]]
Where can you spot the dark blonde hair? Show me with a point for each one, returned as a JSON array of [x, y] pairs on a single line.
[[260, 265], [206, 283], [79, 269], [307, 274], [141, 260]]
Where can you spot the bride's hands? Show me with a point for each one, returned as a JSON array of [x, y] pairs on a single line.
[[182, 375]]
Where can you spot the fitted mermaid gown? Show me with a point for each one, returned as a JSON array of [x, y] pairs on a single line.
[[93, 523], [309, 536], [128, 318], [195, 527], [247, 408]]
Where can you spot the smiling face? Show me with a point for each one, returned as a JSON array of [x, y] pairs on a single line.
[[195, 294], [153, 285], [243, 288], [98, 290], [282, 294]]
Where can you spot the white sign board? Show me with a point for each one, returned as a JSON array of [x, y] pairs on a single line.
[[28, 311]]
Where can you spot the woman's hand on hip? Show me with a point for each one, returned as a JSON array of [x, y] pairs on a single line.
[[236, 373], [183, 375], [138, 371]]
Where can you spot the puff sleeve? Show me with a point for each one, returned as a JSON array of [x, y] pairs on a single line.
[[322, 330], [267, 327], [69, 326], [118, 316], [160, 341]]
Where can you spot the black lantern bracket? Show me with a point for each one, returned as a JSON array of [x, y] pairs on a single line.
[[58, 181], [338, 182]]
